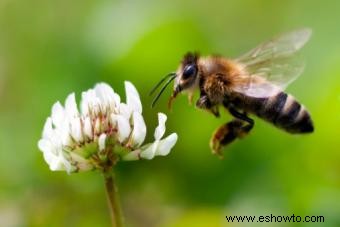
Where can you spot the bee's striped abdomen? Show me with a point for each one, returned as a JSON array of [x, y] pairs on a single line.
[[281, 109], [285, 112]]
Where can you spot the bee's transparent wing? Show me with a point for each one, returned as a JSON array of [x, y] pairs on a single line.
[[273, 65]]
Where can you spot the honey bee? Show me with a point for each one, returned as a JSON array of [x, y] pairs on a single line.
[[251, 84]]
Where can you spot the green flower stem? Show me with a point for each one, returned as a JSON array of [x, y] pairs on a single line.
[[113, 199]]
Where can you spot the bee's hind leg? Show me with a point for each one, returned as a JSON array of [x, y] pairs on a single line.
[[227, 133], [224, 135], [248, 122]]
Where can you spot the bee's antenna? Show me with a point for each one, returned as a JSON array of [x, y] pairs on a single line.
[[161, 91], [173, 74]]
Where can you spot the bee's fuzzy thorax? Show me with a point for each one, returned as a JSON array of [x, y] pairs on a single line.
[[219, 75]]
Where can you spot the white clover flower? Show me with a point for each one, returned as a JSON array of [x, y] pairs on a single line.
[[103, 132]]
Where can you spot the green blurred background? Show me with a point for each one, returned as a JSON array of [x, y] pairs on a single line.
[[51, 48]]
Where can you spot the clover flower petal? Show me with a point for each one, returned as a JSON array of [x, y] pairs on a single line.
[[160, 130], [139, 129], [132, 97], [159, 147]]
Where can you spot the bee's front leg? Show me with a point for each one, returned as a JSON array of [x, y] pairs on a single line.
[[204, 103], [227, 133]]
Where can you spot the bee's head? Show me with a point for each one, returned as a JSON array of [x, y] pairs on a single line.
[[186, 75], [185, 78]]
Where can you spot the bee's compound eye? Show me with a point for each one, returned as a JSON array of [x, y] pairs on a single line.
[[189, 71]]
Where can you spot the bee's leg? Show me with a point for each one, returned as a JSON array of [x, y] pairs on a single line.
[[224, 135], [244, 129], [214, 110], [204, 103], [227, 133], [190, 97]]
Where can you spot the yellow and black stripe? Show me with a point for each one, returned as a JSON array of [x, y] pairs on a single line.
[[282, 110]]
